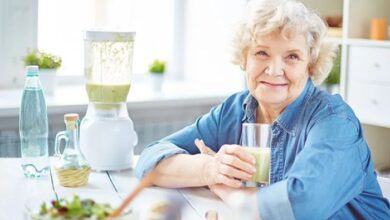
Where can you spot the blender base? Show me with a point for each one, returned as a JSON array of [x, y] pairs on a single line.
[[107, 139], [112, 168]]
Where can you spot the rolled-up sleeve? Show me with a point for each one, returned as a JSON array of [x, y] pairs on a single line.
[[181, 142], [274, 203], [330, 170], [154, 154], [327, 173]]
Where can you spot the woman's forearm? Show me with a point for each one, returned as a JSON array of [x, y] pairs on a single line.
[[183, 170]]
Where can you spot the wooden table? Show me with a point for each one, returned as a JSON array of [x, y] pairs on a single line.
[[15, 189]]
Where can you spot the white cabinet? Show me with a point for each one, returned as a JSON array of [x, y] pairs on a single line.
[[367, 81], [369, 65], [365, 69], [365, 64], [368, 87], [371, 102]]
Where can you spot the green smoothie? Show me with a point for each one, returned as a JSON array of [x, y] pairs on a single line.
[[103, 93], [262, 156]]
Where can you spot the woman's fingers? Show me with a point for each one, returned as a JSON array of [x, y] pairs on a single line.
[[229, 155], [228, 181], [207, 149], [235, 173], [239, 152], [230, 165], [203, 148], [238, 165], [199, 146]]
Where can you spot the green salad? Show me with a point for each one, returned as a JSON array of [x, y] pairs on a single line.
[[74, 208]]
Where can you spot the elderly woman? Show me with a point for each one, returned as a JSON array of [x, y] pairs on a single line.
[[321, 166]]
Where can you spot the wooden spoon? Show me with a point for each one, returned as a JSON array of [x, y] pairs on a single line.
[[145, 182]]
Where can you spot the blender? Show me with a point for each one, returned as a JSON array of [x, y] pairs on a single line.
[[107, 135]]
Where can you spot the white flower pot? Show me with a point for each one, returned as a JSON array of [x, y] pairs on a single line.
[[48, 80], [157, 81]]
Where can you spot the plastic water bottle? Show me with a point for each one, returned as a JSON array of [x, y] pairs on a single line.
[[33, 127]]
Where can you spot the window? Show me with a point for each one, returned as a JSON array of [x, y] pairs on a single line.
[[61, 26], [208, 35], [60, 31], [193, 36], [17, 32]]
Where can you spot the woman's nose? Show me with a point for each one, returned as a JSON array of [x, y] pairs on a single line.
[[275, 68]]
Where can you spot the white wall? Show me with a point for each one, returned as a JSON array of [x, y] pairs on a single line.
[[332, 7], [18, 30], [208, 35]]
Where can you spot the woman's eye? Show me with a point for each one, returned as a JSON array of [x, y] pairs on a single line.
[[261, 53], [293, 57]]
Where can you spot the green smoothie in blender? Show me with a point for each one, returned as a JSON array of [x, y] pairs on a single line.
[[107, 93]]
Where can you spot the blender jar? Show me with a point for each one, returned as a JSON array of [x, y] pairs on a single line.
[[108, 65]]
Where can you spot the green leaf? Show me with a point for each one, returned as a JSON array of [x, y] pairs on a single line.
[[75, 208], [334, 75], [43, 209], [157, 67], [42, 60]]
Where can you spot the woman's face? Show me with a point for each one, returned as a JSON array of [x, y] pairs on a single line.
[[277, 69]]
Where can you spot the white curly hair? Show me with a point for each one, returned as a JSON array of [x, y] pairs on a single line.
[[287, 17]]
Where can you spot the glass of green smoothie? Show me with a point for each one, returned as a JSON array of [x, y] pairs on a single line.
[[256, 139]]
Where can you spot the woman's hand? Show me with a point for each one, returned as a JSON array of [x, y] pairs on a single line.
[[228, 166], [242, 200], [224, 192]]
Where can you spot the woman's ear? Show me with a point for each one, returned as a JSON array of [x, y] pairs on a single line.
[[310, 69], [244, 59], [243, 67]]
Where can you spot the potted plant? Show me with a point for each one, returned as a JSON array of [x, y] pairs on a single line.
[[157, 70], [332, 82], [48, 65]]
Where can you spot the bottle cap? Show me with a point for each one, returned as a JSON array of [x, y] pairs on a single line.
[[71, 117], [32, 70]]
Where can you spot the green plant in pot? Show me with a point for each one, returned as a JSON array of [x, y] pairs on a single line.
[[48, 65], [42, 60], [332, 82], [157, 69]]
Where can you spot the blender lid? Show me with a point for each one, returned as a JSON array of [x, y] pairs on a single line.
[[105, 35]]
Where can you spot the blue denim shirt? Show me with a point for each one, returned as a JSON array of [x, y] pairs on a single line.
[[321, 167]]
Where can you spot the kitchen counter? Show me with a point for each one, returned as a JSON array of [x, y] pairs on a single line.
[[155, 114], [141, 95]]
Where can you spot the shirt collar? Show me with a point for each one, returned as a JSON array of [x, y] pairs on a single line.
[[249, 107], [288, 119], [290, 116]]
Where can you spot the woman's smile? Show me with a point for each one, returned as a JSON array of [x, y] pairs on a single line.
[[273, 85]]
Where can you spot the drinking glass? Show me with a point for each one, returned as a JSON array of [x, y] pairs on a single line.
[[256, 139]]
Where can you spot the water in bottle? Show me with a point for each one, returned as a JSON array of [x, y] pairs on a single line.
[[33, 127]]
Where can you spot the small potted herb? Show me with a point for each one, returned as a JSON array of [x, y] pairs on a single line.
[[156, 70], [332, 82], [157, 67], [48, 65]]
